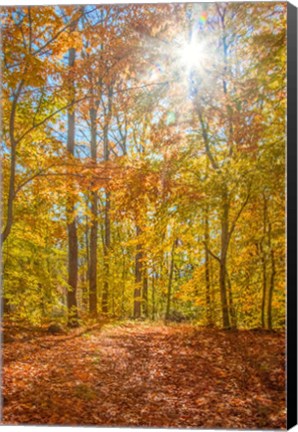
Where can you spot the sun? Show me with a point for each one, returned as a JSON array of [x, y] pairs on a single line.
[[193, 55]]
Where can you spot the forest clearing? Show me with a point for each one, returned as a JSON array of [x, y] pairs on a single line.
[[150, 375], [143, 167]]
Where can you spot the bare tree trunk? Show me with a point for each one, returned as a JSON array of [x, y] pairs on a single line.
[[153, 296], [72, 274], [107, 222], [170, 283], [138, 278], [94, 225], [231, 304], [87, 273], [123, 287], [264, 287], [212, 293], [93, 258], [272, 278], [107, 245], [145, 292], [207, 268], [113, 301], [271, 288], [6, 307], [223, 261], [71, 224], [223, 295], [264, 264]]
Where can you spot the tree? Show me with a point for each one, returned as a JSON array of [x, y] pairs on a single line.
[[71, 219]]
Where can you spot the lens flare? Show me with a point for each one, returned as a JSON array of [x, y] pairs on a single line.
[[193, 54]]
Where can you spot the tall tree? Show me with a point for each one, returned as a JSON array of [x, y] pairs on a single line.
[[71, 218], [107, 219]]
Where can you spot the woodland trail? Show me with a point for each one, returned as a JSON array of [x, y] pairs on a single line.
[[147, 375]]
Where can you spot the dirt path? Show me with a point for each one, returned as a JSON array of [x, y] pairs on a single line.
[[141, 375]]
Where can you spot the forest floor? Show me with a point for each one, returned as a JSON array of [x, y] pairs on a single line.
[[136, 374]]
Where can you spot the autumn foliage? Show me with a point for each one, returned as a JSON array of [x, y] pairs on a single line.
[[144, 175]]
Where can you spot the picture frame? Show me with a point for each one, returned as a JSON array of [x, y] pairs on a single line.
[[134, 307], [292, 217]]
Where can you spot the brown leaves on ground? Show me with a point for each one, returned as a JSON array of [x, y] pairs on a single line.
[[147, 375]]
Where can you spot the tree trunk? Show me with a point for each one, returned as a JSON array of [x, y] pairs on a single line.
[[271, 288], [93, 258], [107, 245], [264, 287], [138, 278], [6, 308], [223, 295], [153, 296], [72, 274], [264, 262], [207, 269], [223, 260], [107, 222], [122, 313], [224, 82], [212, 293], [71, 224], [13, 162], [94, 225], [145, 293], [231, 304], [272, 278], [11, 195], [87, 274], [170, 283]]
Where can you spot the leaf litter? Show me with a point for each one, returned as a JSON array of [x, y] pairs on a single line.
[[147, 375]]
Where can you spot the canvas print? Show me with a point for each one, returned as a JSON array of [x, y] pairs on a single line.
[[143, 215]]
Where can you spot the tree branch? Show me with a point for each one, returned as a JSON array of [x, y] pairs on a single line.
[[49, 117], [39, 50], [211, 253], [239, 214], [206, 141]]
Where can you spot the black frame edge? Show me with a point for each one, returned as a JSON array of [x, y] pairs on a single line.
[[291, 215]]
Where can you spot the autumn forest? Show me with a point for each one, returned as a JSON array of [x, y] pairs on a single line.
[[143, 214]]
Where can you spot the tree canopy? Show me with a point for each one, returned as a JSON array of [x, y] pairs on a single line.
[[144, 162]]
